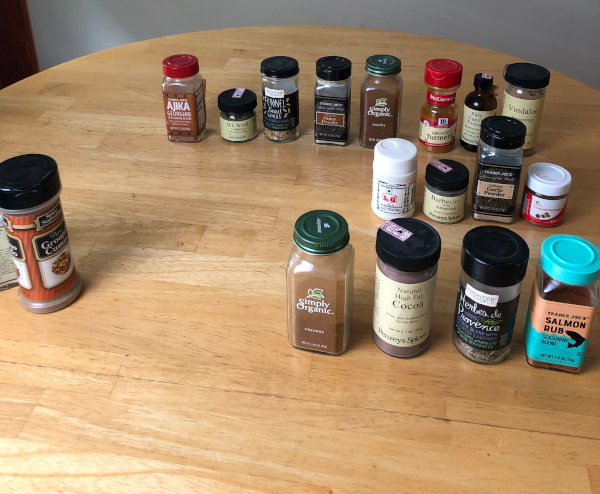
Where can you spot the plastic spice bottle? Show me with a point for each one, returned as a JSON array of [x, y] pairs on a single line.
[[280, 93], [545, 194], [479, 104], [494, 263], [498, 173], [394, 179], [408, 251], [445, 197], [35, 226], [238, 115], [332, 100], [439, 112], [564, 297], [320, 283], [380, 100], [183, 95], [524, 98]]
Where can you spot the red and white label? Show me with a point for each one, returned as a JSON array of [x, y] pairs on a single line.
[[543, 212], [389, 198], [238, 92], [441, 166], [441, 100], [396, 231]]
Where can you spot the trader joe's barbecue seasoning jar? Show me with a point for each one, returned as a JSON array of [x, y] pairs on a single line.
[[320, 283], [36, 230]]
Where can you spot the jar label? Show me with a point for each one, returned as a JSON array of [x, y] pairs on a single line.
[[379, 116], [331, 119], [441, 166], [471, 128], [557, 333], [186, 113], [543, 212], [528, 111], [437, 133], [496, 189], [402, 311], [445, 209], [396, 231], [41, 253], [238, 130], [441, 99], [280, 109], [482, 322], [396, 199]]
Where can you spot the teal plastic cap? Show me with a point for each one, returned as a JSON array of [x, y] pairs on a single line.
[[570, 259], [321, 232]]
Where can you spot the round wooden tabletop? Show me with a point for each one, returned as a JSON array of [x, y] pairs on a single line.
[[172, 372]]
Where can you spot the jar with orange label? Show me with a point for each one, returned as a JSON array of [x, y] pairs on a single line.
[[439, 112], [35, 226]]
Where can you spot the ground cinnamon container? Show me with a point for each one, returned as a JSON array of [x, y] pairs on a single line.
[[35, 226]]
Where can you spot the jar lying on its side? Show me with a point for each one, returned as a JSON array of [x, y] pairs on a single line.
[[320, 283], [238, 117]]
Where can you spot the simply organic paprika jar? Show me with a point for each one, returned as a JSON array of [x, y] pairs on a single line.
[[35, 226]]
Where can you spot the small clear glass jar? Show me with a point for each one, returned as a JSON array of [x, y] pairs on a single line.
[[445, 197], [280, 90], [238, 115], [320, 283]]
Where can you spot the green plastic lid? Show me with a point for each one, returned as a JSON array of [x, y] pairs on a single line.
[[570, 259], [321, 232], [383, 65]]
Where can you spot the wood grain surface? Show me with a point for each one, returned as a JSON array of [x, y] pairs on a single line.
[[172, 372]]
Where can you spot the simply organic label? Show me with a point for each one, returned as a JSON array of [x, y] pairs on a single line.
[[471, 128], [528, 111]]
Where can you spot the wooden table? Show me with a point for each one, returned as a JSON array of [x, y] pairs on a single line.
[[173, 373]]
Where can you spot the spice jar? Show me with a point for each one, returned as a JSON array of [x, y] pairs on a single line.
[[35, 226], [380, 100], [332, 100], [439, 113], [564, 297], [498, 173], [407, 261], [494, 263], [479, 104], [280, 98], [446, 184], [183, 95], [394, 179], [524, 98], [320, 283], [238, 117], [545, 195]]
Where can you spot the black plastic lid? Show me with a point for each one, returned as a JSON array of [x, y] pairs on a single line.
[[450, 175], [503, 132], [28, 181], [527, 75], [280, 67], [420, 251], [238, 100], [494, 256], [483, 81], [334, 68]]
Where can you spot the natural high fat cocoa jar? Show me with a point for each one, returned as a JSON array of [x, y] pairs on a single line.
[[35, 226]]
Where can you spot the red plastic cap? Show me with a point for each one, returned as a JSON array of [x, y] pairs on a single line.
[[180, 66], [443, 73]]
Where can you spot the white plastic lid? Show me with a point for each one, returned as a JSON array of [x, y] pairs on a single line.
[[396, 157], [548, 179]]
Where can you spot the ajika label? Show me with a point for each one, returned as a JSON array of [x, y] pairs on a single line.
[[331, 119], [280, 109], [482, 321], [186, 113]]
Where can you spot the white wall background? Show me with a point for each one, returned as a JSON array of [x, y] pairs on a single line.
[[563, 35]]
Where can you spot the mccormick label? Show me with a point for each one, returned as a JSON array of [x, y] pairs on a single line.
[[331, 119], [186, 113], [41, 253], [437, 133], [396, 199], [441, 100], [280, 110], [543, 212]]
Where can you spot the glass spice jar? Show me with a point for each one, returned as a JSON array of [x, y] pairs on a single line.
[[545, 194], [320, 283], [524, 97], [238, 115], [380, 100], [479, 104], [35, 227], [437, 130], [498, 172], [280, 93], [564, 297], [408, 251], [332, 100], [184, 98], [445, 197], [494, 263]]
